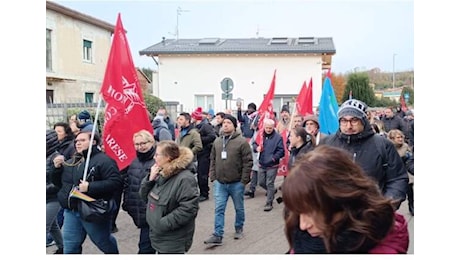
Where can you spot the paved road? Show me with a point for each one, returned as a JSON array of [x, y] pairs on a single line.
[[263, 231]]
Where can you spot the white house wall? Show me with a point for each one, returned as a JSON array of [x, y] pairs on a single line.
[[181, 77]]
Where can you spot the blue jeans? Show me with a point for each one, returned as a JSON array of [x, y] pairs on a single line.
[[145, 246], [75, 230], [52, 227], [266, 179], [221, 193]]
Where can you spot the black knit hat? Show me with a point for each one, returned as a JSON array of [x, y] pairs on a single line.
[[84, 115], [52, 142], [231, 118], [285, 108]]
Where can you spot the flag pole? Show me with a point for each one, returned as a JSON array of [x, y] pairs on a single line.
[[93, 131], [294, 109]]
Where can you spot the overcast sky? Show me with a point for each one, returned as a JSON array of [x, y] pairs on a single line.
[[366, 34]]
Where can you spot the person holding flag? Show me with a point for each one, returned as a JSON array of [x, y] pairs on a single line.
[[102, 182]]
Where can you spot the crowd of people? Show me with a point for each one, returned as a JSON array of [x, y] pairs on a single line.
[[340, 193]]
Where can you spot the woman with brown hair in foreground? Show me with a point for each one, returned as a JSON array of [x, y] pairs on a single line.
[[329, 196]]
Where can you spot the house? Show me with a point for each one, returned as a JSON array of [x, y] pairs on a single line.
[[144, 82], [194, 72], [77, 49]]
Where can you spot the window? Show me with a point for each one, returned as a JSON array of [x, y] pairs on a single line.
[[49, 63], [89, 97], [87, 50], [204, 101], [49, 96]]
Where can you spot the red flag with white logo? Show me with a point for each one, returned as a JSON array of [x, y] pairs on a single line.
[[265, 111], [125, 111]]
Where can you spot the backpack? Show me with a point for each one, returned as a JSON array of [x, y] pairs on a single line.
[[157, 133]]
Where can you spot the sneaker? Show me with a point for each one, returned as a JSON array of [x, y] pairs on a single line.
[[203, 198], [214, 240], [249, 193], [52, 243], [238, 233], [268, 207]]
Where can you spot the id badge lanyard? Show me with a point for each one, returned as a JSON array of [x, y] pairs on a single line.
[[224, 144]]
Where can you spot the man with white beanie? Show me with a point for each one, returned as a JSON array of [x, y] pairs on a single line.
[[375, 154]]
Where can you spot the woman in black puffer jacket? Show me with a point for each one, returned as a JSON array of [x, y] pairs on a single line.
[[145, 146], [52, 204]]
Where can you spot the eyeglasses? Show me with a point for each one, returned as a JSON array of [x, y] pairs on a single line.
[[353, 121], [141, 144]]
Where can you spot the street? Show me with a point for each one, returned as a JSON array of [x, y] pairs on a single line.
[[263, 231]]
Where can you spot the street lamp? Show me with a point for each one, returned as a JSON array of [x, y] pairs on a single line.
[[394, 55]]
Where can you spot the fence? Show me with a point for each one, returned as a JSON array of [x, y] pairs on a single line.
[[61, 112]]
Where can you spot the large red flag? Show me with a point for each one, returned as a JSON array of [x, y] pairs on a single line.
[[265, 111], [125, 111], [304, 101]]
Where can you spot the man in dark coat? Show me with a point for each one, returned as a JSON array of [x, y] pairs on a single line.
[[375, 154], [208, 136], [271, 152]]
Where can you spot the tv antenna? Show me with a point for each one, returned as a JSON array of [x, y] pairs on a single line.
[[258, 29], [179, 11]]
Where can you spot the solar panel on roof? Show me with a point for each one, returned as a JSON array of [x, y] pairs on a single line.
[[306, 40], [208, 41], [279, 41]]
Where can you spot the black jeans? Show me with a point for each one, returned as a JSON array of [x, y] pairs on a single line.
[[203, 174]]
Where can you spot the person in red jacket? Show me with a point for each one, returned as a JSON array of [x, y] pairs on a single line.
[[329, 196]]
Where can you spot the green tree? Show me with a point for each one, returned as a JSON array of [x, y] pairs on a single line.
[[148, 72], [410, 91], [153, 103], [384, 102], [358, 83]]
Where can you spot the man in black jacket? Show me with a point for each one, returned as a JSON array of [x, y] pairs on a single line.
[[375, 154], [208, 136]]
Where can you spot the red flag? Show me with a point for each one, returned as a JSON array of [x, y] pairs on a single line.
[[329, 74], [283, 166], [304, 101], [403, 102], [265, 111], [125, 111]]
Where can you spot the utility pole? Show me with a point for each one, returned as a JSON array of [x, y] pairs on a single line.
[[394, 55], [179, 11]]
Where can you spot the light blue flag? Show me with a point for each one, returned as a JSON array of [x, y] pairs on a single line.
[[328, 109]]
